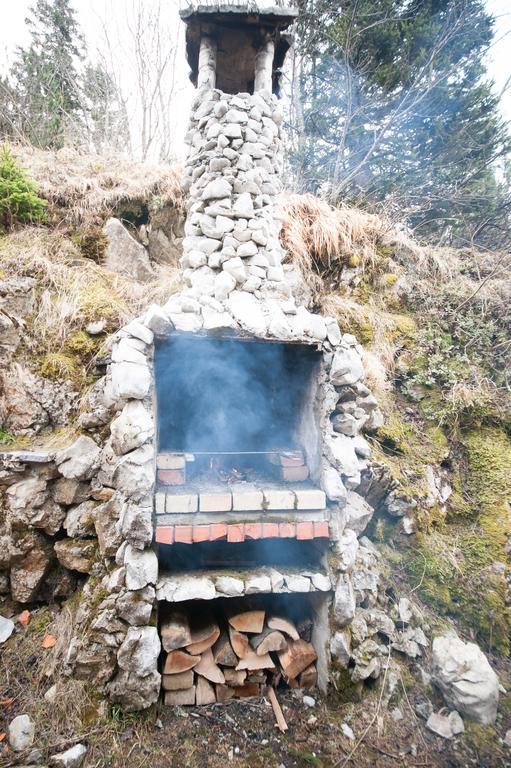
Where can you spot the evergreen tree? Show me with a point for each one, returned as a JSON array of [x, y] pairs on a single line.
[[394, 102], [46, 74], [18, 195]]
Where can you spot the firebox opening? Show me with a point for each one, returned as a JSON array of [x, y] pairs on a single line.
[[236, 647], [232, 395], [248, 554]]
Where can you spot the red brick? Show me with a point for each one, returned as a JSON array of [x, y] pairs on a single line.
[[183, 534], [305, 531], [321, 530], [235, 533], [253, 530], [294, 474], [171, 476], [200, 533], [287, 530], [165, 534], [270, 530], [217, 531]]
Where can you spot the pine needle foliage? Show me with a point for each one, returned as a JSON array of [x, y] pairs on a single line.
[[19, 201]]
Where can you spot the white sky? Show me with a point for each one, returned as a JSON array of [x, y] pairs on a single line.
[[93, 13]]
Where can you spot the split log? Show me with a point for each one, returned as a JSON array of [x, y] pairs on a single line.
[[252, 662], [204, 633], [179, 661], [205, 693], [249, 689], [283, 625], [268, 640], [235, 677], [277, 711], [309, 677], [208, 669], [180, 698], [248, 621], [175, 631], [223, 652], [298, 656], [239, 643], [178, 681], [257, 677], [223, 692]]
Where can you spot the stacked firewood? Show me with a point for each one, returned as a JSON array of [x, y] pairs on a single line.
[[209, 660]]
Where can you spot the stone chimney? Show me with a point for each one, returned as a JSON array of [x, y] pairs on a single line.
[[234, 165]]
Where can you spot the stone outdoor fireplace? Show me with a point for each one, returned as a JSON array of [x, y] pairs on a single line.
[[216, 511]]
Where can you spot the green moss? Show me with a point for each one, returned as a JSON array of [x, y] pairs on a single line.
[[92, 243], [6, 438], [304, 758], [343, 689], [457, 569], [58, 366], [80, 344]]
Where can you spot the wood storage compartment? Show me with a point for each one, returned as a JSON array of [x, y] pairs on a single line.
[[235, 648]]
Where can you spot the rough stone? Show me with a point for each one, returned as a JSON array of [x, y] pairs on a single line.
[[347, 367], [80, 460], [79, 521], [340, 648], [134, 692], [130, 380], [463, 674], [344, 601], [139, 651], [358, 511], [124, 254], [135, 523], [21, 733], [132, 428], [76, 555], [6, 628], [141, 567], [71, 758]]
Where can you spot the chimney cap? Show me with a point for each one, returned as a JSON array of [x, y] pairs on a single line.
[[254, 11]]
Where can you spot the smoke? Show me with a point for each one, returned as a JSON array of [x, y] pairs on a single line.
[[229, 395]]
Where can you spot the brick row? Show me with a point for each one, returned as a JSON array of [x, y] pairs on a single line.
[[238, 532]]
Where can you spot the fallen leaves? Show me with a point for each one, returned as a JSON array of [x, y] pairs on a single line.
[[48, 641], [24, 618]]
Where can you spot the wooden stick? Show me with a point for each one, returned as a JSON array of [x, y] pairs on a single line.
[[277, 711]]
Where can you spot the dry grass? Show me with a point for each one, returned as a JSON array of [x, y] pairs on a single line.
[[82, 188], [317, 236], [76, 715], [73, 291]]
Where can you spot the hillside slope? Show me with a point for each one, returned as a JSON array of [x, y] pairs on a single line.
[[435, 325]]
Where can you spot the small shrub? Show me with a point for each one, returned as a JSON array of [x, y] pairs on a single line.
[[18, 195]]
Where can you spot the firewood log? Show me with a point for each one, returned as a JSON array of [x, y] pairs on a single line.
[[248, 621], [180, 698], [235, 677], [309, 677], [239, 643], [252, 661], [175, 631], [179, 661], [204, 633], [249, 689], [209, 669], [224, 692], [178, 681], [268, 640], [283, 625], [223, 652], [298, 656], [205, 693]]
